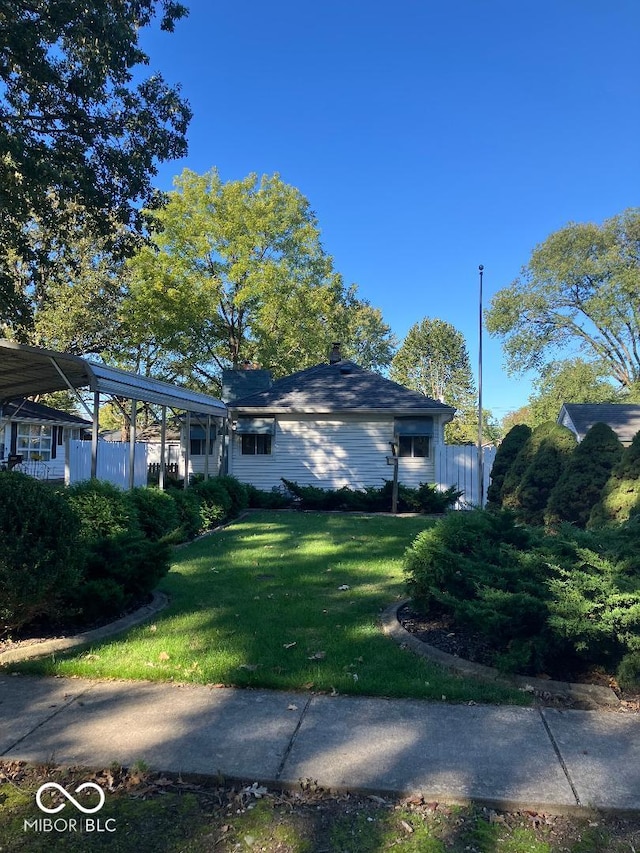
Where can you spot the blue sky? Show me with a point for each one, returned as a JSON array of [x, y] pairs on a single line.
[[429, 137]]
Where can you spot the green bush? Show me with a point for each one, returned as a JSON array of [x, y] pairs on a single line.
[[544, 602], [262, 499], [157, 512], [546, 451], [215, 502], [425, 498], [629, 672], [237, 492], [188, 507], [103, 509], [509, 448], [40, 551], [580, 485], [121, 564], [620, 497], [119, 571]]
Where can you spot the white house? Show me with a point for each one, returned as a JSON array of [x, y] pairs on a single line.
[[32, 438], [332, 425]]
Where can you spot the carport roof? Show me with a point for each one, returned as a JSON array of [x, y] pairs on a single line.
[[25, 371]]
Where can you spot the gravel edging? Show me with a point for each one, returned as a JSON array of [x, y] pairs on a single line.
[[62, 644], [591, 694]]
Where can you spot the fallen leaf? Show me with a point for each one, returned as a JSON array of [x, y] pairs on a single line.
[[309, 685], [163, 656], [153, 628], [406, 826], [256, 790]]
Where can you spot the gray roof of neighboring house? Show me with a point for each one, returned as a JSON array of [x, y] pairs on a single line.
[[624, 419], [339, 387], [25, 410]]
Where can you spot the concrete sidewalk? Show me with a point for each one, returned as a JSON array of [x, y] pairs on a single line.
[[503, 756]]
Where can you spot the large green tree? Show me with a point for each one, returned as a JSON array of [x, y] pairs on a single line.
[[75, 298], [236, 271], [569, 381], [433, 360], [580, 289], [75, 128]]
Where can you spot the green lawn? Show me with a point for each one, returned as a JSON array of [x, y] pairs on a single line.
[[286, 601]]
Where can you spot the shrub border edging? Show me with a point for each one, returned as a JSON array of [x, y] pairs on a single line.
[[36, 650], [591, 693]]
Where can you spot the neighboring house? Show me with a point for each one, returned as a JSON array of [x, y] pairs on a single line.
[[331, 425], [623, 419], [32, 438]]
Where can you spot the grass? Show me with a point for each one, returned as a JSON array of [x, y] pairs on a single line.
[[285, 601], [151, 813]]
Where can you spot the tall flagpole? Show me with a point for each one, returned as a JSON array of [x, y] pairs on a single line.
[[480, 457]]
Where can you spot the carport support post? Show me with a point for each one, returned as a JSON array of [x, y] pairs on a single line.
[[132, 443], [206, 448], [187, 447], [94, 434], [163, 448]]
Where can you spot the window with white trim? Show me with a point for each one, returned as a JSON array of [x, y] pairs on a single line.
[[255, 444], [414, 446], [34, 442]]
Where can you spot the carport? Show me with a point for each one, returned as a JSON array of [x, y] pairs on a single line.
[[26, 371]]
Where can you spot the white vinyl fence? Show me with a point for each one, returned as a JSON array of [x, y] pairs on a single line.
[[457, 465], [113, 463]]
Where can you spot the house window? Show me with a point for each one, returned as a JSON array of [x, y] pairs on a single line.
[[413, 446], [255, 444], [34, 442], [198, 446]]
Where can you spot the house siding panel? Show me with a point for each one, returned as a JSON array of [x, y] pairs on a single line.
[[329, 452]]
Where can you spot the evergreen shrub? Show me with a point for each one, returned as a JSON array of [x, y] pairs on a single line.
[[535, 471], [157, 512], [426, 498], [546, 603], [506, 453], [237, 492], [40, 551], [580, 485], [261, 499], [121, 564], [215, 502], [620, 497], [188, 507]]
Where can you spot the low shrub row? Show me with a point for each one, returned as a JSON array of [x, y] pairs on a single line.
[[547, 603], [80, 554], [426, 498]]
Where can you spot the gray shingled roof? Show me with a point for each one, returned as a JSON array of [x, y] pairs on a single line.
[[339, 387], [28, 410], [624, 419]]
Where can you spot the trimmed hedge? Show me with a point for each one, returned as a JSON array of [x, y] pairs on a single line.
[[40, 550], [425, 498]]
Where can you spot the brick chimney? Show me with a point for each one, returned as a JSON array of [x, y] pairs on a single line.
[[334, 355]]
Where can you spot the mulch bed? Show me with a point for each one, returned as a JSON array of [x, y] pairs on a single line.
[[442, 633]]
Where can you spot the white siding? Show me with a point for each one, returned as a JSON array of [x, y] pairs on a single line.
[[330, 452]]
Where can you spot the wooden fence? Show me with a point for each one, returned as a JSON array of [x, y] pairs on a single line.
[[457, 465]]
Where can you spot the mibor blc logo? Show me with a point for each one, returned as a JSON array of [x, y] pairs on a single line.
[[69, 824]]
